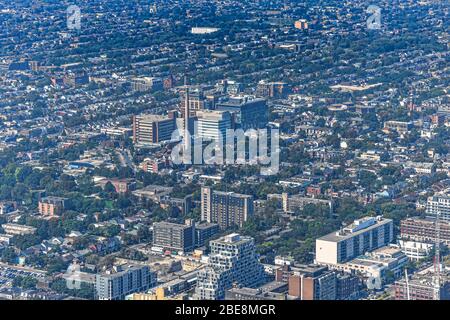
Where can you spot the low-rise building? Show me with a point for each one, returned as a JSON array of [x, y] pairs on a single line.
[[18, 229]]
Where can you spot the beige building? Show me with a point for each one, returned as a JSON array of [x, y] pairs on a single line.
[[159, 294], [225, 208], [18, 229], [51, 206], [363, 235], [149, 129]]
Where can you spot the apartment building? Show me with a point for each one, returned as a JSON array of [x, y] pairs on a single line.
[[424, 230], [143, 84], [272, 89], [51, 206], [398, 126], [292, 203], [120, 281], [421, 287], [204, 232], [225, 208], [363, 235], [233, 260], [18, 229], [315, 282], [439, 203], [174, 236]]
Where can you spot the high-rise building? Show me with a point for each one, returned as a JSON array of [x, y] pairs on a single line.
[[233, 260], [121, 281], [439, 204], [225, 208], [248, 112], [174, 236], [149, 129], [213, 124], [363, 235], [198, 100]]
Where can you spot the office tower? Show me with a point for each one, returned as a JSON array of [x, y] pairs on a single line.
[[225, 208], [418, 229], [174, 236], [213, 124], [121, 281], [232, 261], [248, 112], [149, 129], [439, 204], [363, 235], [51, 206], [198, 100]]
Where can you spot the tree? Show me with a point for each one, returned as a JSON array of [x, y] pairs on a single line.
[[109, 188], [26, 283], [9, 255]]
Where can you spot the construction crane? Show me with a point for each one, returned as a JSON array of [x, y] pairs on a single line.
[[408, 297], [437, 260]]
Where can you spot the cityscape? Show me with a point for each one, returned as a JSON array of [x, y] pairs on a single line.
[[256, 150]]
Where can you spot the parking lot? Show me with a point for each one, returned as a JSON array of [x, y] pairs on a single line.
[[7, 275]]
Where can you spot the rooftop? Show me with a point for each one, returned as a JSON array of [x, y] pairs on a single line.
[[358, 226]]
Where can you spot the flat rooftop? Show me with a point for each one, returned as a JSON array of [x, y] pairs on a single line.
[[356, 228]]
